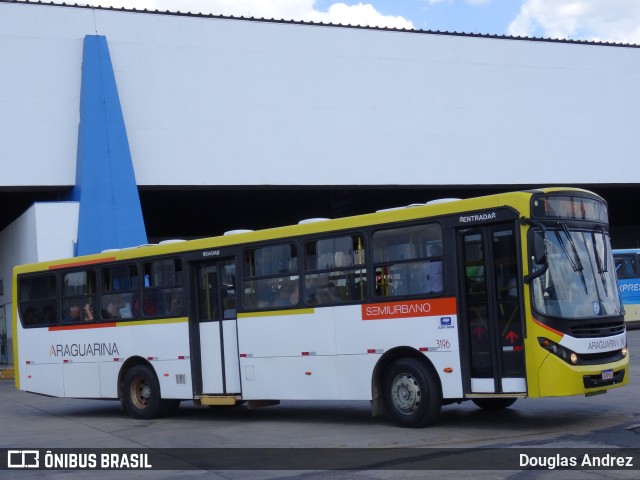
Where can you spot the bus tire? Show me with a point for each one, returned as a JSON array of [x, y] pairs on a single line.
[[141, 394], [412, 393], [494, 403]]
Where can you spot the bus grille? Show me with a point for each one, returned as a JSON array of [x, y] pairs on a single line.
[[600, 358], [597, 329]]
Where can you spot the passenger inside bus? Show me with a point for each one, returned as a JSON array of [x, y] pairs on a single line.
[[507, 285], [74, 314], [49, 314], [326, 294], [30, 316], [175, 307], [89, 313], [287, 295]]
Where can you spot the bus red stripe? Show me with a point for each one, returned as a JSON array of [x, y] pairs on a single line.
[[85, 262], [82, 326]]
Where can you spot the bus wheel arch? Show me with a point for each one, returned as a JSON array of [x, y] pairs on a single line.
[[139, 390], [406, 387]]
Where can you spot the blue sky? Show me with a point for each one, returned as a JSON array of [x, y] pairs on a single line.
[[599, 20]]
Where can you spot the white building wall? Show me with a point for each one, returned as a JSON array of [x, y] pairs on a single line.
[[46, 231], [211, 101]]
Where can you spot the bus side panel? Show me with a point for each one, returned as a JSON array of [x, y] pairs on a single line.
[[355, 373], [308, 377], [287, 334], [109, 371], [162, 343], [45, 378], [84, 360], [175, 378], [39, 369], [288, 355], [367, 332], [81, 379]]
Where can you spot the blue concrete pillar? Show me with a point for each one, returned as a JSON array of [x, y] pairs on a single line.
[[110, 211]]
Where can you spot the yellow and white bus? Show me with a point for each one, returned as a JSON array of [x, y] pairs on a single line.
[[488, 299]]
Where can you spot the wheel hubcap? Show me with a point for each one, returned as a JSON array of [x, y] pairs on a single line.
[[140, 393], [406, 393]]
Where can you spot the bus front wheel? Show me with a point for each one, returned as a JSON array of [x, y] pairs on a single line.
[[412, 393], [141, 393]]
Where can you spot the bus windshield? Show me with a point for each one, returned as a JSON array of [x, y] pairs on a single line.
[[581, 279]]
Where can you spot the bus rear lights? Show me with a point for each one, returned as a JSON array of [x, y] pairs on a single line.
[[559, 351]]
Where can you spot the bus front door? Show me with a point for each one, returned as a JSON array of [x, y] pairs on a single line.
[[493, 323], [216, 320]]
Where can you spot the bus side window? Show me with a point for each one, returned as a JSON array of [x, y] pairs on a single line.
[[79, 296], [37, 300], [163, 294], [408, 261], [626, 266], [270, 277], [119, 292], [335, 271]]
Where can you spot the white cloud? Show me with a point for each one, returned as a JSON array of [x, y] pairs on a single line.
[[600, 20], [470, 2], [360, 14]]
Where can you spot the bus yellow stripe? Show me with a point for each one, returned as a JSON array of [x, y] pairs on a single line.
[[133, 323], [277, 313]]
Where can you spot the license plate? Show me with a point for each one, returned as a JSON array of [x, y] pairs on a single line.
[[607, 374]]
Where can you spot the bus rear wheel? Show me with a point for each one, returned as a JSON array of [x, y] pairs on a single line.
[[412, 393], [494, 403], [141, 394]]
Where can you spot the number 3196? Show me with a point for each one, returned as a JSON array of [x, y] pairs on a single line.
[[443, 344]]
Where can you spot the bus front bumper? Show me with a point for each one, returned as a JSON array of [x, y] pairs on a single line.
[[558, 378]]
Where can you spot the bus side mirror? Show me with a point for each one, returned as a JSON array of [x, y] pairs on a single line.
[[539, 248]]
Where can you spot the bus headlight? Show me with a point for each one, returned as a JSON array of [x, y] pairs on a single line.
[[559, 351], [624, 351]]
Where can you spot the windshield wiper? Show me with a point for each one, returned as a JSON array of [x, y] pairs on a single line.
[[575, 262], [601, 267], [604, 244]]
